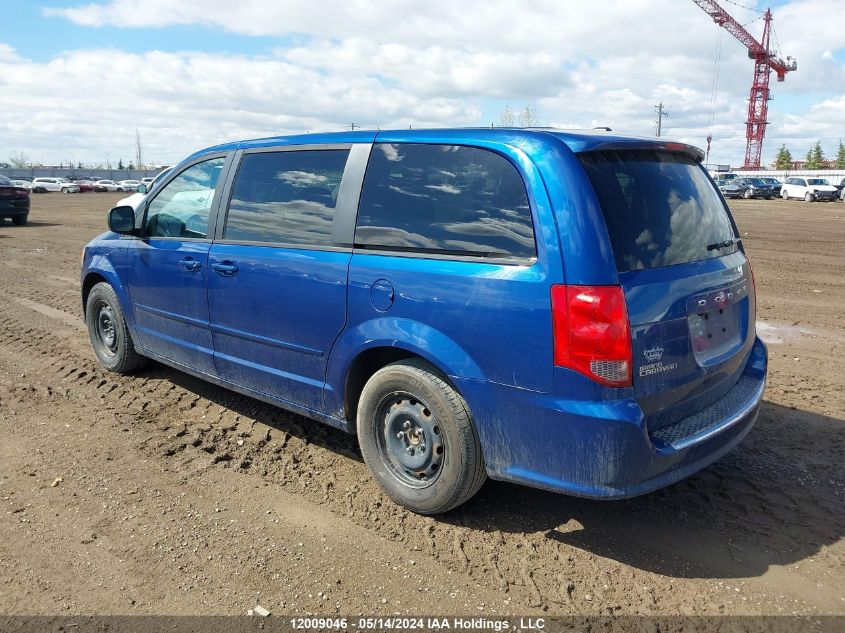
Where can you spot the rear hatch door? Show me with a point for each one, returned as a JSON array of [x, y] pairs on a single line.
[[687, 283]]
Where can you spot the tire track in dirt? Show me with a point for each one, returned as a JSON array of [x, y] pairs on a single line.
[[196, 425]]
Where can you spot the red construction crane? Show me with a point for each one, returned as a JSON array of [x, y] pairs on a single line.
[[765, 61]]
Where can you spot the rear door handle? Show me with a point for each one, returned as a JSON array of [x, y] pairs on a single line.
[[225, 268], [190, 264]]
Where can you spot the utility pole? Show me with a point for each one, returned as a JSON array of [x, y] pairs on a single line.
[[661, 114], [138, 157], [352, 126]]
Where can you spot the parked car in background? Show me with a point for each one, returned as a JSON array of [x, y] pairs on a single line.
[[20, 182], [840, 189], [360, 279], [810, 189], [14, 201], [135, 199], [43, 185], [107, 185], [147, 180], [753, 187], [729, 189], [129, 185], [774, 183], [66, 185], [85, 184]]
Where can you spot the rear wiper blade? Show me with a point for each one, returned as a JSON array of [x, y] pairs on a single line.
[[720, 245]]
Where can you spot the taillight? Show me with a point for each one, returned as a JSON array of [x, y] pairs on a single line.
[[13, 192], [591, 332]]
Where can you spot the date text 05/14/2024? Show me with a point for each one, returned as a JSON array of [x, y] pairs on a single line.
[[418, 623]]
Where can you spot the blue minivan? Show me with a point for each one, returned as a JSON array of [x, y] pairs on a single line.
[[572, 311]]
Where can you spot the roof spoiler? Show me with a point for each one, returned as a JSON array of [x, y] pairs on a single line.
[[668, 146]]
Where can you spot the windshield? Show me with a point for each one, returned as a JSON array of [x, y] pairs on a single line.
[[660, 208], [756, 181], [817, 181]]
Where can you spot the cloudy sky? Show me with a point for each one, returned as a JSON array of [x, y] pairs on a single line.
[[78, 78]]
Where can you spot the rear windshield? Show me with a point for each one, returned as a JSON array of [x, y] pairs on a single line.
[[660, 208]]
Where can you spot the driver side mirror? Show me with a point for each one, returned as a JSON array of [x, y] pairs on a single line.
[[142, 188], [122, 220]]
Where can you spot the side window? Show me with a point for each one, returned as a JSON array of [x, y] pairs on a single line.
[[444, 199], [182, 207], [286, 197]]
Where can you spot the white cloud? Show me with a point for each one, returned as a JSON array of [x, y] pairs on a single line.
[[405, 62], [182, 102]]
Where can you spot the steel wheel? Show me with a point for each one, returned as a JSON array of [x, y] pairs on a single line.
[[409, 439], [108, 331], [418, 439], [105, 334]]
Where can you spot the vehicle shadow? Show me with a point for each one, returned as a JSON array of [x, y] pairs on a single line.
[[8, 224], [41, 223], [775, 500]]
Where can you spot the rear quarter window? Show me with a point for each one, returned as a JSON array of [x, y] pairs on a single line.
[[444, 199], [659, 207]]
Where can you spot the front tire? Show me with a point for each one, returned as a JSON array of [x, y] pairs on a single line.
[[19, 220], [808, 197], [108, 331], [747, 194], [418, 439]]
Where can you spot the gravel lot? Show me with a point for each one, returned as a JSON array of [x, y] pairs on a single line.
[[160, 494]]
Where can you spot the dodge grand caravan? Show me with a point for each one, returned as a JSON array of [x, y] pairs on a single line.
[[571, 311]]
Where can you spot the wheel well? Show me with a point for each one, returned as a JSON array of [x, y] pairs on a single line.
[[91, 280], [363, 367]]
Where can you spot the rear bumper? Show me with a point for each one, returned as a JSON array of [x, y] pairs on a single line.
[[602, 449], [12, 209]]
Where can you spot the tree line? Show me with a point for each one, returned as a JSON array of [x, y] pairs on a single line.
[[815, 158], [19, 160]]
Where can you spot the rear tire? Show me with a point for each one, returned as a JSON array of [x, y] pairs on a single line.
[[418, 439], [784, 194], [109, 333], [19, 220]]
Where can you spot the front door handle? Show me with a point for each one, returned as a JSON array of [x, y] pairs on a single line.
[[190, 264], [225, 268]]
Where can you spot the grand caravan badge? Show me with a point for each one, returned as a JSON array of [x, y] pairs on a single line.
[[653, 356]]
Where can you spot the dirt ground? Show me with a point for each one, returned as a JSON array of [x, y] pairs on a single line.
[[160, 494]]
